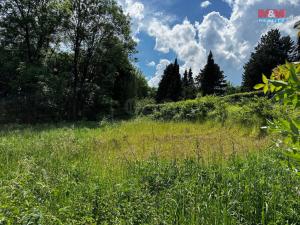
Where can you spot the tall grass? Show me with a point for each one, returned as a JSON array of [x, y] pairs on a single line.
[[143, 172]]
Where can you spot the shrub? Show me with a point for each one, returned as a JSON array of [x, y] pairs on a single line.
[[257, 111], [185, 110], [285, 83], [248, 111], [234, 98], [220, 113], [142, 103]]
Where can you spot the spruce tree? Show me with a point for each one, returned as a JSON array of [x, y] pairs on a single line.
[[170, 86], [211, 79], [191, 81], [271, 51], [185, 81], [163, 84], [192, 87], [185, 85], [189, 90], [176, 90]]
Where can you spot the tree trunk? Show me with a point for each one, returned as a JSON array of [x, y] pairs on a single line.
[[75, 74]]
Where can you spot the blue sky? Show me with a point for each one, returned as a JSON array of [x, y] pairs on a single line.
[[180, 9], [189, 29]]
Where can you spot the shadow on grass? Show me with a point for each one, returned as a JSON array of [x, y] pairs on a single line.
[[4, 128], [48, 126]]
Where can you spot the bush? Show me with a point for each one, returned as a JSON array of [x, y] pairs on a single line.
[[221, 113], [185, 110], [240, 108], [142, 103], [234, 98], [258, 110], [285, 83]]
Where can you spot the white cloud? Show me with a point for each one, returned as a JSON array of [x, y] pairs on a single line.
[[136, 11], [151, 64], [205, 4], [153, 82], [231, 39], [181, 39], [141, 15]]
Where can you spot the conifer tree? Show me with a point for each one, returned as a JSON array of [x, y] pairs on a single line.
[[185, 81], [189, 89], [191, 78], [271, 51], [211, 79], [170, 86]]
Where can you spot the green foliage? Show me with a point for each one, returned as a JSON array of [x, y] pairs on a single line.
[[232, 89], [66, 60], [148, 109], [142, 89], [211, 79], [254, 111], [285, 83], [89, 174], [271, 51], [188, 85], [99, 34], [170, 86], [184, 110], [141, 104], [63, 183], [235, 194], [220, 112], [27, 37], [30, 30], [238, 97], [244, 108]]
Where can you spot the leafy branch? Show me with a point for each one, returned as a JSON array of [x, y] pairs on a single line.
[[285, 84]]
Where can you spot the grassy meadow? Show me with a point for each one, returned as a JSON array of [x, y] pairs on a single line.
[[143, 172], [88, 137]]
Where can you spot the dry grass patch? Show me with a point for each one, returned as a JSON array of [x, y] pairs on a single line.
[[138, 140]]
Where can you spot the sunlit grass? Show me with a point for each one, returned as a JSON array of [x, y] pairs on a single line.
[[105, 149], [117, 143], [142, 172]]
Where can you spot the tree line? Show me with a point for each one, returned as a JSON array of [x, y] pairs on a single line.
[[271, 51], [66, 60], [173, 87], [74, 60]]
